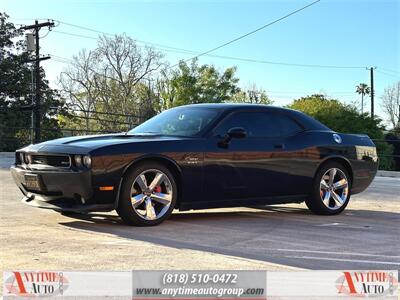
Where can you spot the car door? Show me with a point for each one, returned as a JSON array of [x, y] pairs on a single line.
[[252, 167]]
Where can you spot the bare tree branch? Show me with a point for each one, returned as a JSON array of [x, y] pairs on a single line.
[[391, 103], [111, 78]]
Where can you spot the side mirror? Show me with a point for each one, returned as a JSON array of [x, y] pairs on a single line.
[[237, 133], [233, 133]]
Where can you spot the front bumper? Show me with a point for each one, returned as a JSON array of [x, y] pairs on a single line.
[[64, 190]]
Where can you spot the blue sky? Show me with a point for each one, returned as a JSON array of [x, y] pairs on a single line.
[[332, 32]]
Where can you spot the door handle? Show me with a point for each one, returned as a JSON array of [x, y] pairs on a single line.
[[279, 146]]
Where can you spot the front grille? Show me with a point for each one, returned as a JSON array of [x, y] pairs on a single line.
[[51, 160]]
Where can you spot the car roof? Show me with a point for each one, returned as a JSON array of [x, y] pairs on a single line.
[[236, 106]]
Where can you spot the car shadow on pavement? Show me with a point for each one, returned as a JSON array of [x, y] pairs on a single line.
[[98, 218], [248, 233]]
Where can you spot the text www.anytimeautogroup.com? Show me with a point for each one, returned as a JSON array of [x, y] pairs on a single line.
[[199, 292]]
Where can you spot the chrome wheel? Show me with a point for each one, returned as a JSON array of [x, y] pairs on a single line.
[[151, 194], [334, 188]]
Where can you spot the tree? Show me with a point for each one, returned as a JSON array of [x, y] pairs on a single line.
[[111, 78], [362, 89], [191, 83], [391, 103], [253, 95], [16, 92], [393, 139], [346, 119]]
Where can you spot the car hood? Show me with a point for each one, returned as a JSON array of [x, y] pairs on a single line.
[[84, 144]]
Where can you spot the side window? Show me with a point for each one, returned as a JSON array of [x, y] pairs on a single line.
[[259, 124], [288, 126]]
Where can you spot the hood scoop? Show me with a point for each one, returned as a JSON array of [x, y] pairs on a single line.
[[94, 138]]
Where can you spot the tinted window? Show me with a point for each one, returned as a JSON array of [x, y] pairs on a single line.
[[287, 125], [178, 121], [259, 124]]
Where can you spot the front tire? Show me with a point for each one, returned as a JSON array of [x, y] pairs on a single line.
[[331, 190], [148, 195]]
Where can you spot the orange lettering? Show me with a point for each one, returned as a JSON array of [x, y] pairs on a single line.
[[21, 285]]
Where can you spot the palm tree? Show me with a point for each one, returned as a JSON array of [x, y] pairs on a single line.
[[362, 89]]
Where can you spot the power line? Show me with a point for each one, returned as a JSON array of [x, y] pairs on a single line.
[[388, 74], [253, 31], [83, 27], [105, 113], [161, 47], [305, 92], [77, 35], [99, 32], [46, 34], [62, 60], [64, 129], [111, 34], [104, 120], [27, 19], [169, 48], [198, 53], [60, 57], [185, 51], [392, 71], [286, 63]]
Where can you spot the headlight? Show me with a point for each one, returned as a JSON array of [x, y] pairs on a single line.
[[87, 161], [78, 160]]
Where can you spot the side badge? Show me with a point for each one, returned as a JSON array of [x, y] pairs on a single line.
[[337, 138], [191, 160]]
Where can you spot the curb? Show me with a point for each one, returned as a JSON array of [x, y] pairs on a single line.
[[393, 174]]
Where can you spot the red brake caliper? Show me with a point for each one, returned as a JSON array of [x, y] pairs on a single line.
[[157, 189]]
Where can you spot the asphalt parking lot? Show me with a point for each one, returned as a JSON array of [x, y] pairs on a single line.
[[365, 236]]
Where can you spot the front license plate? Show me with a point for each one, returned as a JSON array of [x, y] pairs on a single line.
[[33, 182]]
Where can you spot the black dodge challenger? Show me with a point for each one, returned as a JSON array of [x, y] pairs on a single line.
[[199, 156]]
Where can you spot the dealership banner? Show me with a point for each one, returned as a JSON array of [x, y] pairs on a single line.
[[199, 284], [221, 284], [67, 284], [332, 285]]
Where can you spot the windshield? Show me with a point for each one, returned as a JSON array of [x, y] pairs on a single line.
[[178, 122]]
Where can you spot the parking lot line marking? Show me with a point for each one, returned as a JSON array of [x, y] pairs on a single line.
[[338, 253], [349, 260], [331, 224]]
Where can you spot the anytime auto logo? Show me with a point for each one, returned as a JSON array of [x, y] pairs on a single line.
[[35, 283], [367, 283]]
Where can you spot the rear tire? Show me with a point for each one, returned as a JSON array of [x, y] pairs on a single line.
[[148, 195], [331, 190]]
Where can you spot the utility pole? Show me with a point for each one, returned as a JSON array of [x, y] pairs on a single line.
[[32, 133], [371, 69], [36, 106]]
